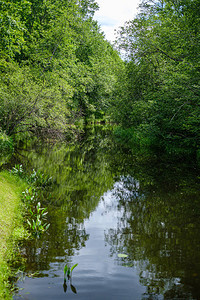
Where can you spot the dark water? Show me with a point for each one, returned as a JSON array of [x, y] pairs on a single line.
[[106, 201]]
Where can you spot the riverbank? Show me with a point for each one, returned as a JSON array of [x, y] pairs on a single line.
[[11, 227]]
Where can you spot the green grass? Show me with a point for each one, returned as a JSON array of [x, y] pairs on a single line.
[[11, 227]]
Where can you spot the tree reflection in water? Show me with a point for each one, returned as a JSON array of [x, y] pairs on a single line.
[[80, 175], [159, 227], [159, 230]]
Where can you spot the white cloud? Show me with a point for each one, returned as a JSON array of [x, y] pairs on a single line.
[[114, 13]]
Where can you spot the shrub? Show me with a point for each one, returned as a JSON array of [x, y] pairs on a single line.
[[6, 143]]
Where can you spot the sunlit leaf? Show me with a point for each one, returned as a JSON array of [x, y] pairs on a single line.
[[74, 266], [122, 255], [65, 269]]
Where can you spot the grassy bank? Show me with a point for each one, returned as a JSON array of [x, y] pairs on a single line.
[[11, 227]]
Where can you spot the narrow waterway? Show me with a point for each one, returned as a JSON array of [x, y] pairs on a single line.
[[133, 227]]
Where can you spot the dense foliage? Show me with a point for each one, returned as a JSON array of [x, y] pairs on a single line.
[[162, 52], [57, 68], [55, 65]]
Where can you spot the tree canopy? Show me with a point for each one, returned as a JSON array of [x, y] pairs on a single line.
[[161, 49], [56, 65]]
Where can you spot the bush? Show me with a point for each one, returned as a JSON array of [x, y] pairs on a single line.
[[6, 143]]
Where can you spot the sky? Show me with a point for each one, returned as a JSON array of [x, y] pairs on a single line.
[[114, 13]]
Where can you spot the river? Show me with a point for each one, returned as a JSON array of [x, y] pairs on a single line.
[[132, 224]]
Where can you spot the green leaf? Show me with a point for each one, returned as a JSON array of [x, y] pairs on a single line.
[[65, 269], [74, 266], [47, 226], [121, 255]]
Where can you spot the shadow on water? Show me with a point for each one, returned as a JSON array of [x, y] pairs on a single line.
[[155, 208]]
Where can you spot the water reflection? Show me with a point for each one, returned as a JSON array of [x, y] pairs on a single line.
[[73, 289], [80, 174], [160, 229], [158, 225]]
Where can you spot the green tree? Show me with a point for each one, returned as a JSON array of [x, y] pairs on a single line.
[[162, 53], [56, 65], [12, 27]]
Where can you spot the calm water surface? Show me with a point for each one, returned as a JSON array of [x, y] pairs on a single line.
[[105, 201]]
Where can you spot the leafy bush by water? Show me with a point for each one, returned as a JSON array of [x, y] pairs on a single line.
[[34, 214], [18, 171], [36, 223], [36, 178], [39, 179], [6, 143]]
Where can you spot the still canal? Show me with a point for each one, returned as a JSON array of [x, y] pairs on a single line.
[[132, 224]]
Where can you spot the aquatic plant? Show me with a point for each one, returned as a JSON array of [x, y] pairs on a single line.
[[35, 215], [18, 171], [36, 178], [68, 271], [29, 196], [38, 214], [39, 179], [68, 274]]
